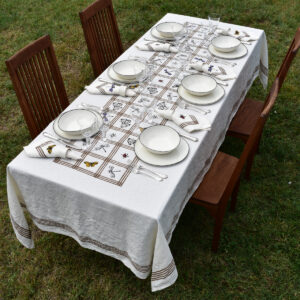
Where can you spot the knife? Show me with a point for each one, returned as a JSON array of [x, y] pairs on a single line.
[[66, 143]]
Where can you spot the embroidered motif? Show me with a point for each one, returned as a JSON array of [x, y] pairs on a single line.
[[162, 105], [117, 105], [182, 116], [167, 72], [125, 155], [112, 87], [131, 141], [91, 164], [152, 90], [49, 149], [125, 123], [112, 172], [102, 147]]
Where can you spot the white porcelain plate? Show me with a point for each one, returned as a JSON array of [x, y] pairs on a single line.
[[75, 120], [174, 157], [211, 98], [238, 53], [73, 137], [160, 139], [199, 85], [158, 36], [128, 69], [225, 43], [169, 29]]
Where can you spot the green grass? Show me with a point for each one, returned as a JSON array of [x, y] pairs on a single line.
[[259, 256]]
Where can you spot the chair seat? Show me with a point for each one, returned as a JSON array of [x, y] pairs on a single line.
[[244, 121], [216, 179]]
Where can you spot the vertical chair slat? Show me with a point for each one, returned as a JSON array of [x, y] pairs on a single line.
[[38, 84], [101, 32]]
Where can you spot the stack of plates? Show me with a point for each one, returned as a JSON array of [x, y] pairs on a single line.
[[167, 31], [71, 124], [227, 47], [161, 146], [200, 89], [126, 71]]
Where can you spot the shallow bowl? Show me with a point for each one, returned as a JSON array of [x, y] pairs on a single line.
[[225, 43], [129, 69], [160, 139], [199, 85], [76, 121], [169, 29]]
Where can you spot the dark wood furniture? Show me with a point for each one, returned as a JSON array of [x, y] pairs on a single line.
[[101, 34], [38, 84], [244, 121], [222, 179]]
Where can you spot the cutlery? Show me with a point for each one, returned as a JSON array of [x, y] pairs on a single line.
[[194, 139], [138, 170], [163, 176], [63, 141], [184, 105], [130, 85]]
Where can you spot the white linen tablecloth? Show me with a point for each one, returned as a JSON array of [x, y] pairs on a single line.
[[132, 221]]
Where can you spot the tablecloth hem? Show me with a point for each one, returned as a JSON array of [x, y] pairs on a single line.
[[162, 284]]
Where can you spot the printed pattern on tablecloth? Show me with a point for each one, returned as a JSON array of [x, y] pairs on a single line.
[[108, 160]]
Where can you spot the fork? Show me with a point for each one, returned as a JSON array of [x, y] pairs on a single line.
[[138, 170], [184, 105]]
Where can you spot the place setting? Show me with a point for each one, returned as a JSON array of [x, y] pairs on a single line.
[[200, 89]]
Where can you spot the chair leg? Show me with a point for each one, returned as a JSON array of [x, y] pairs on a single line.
[[217, 228], [234, 195], [249, 164]]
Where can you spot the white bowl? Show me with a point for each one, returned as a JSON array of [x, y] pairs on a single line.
[[199, 85], [160, 139], [129, 69], [169, 29], [224, 43], [75, 121]]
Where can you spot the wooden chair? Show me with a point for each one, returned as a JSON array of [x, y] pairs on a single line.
[[101, 34], [222, 179], [245, 118], [38, 84]]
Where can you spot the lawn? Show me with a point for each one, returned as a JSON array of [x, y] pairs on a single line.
[[259, 255]]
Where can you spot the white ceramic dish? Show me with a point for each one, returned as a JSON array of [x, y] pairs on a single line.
[[116, 78], [76, 120], [211, 98], [67, 136], [158, 36], [169, 29], [225, 43], [174, 157], [238, 53], [129, 69], [199, 85], [160, 139]]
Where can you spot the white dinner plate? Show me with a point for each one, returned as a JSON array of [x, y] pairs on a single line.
[[73, 137], [174, 157], [211, 98], [238, 53], [158, 36]]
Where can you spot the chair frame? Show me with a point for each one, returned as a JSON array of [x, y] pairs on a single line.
[[22, 67], [217, 211], [93, 30], [280, 77]]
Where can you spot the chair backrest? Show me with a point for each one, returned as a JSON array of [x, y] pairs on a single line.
[[294, 47], [253, 138], [38, 84], [101, 34]]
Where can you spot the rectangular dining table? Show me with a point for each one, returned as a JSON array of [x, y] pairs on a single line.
[[108, 208]]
